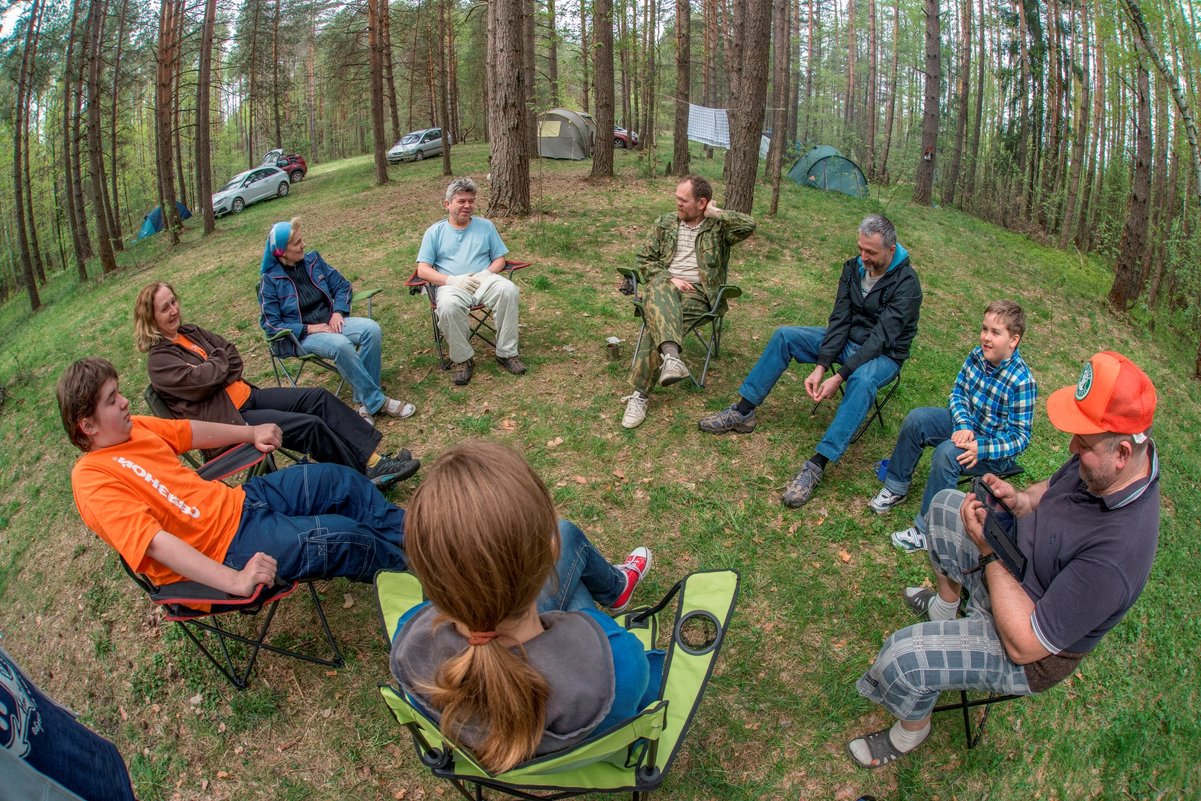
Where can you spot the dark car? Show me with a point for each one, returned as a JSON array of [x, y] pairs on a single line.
[[291, 163]]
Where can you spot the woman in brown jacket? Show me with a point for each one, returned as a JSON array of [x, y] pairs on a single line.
[[199, 375]]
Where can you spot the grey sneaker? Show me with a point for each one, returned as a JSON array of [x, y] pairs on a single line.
[[635, 410], [909, 540], [388, 470], [728, 419], [800, 489], [463, 373], [673, 371], [885, 499]]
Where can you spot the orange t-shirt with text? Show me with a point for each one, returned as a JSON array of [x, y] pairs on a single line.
[[129, 492]]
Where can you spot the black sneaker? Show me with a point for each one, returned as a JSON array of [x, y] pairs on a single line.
[[388, 471]]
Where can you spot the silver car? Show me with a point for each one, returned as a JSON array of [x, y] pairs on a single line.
[[417, 145], [250, 187]]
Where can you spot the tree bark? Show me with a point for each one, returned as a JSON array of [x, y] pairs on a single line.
[[974, 150], [779, 115], [1127, 280], [113, 137], [389, 76], [602, 32], [892, 93], [742, 162], [276, 100], [204, 150], [680, 156], [530, 107], [924, 182], [871, 92], [29, 60], [75, 212], [1079, 138], [376, 77], [31, 284], [443, 92], [108, 260], [585, 53], [962, 73], [552, 52], [508, 117]]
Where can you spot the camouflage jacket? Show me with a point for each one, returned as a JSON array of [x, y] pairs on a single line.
[[713, 242]]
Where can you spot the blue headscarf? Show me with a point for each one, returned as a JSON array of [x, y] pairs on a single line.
[[277, 243]]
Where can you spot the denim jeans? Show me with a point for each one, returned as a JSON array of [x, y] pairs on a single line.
[[319, 521], [926, 427], [359, 367], [47, 749], [801, 344], [583, 578]]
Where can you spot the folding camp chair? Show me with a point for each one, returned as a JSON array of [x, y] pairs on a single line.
[[197, 607], [878, 404], [480, 316], [284, 347], [714, 319], [635, 756], [973, 734]]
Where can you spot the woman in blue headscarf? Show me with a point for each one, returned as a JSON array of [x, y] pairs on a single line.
[[302, 294]]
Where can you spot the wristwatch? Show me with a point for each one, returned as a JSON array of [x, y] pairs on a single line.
[[984, 562]]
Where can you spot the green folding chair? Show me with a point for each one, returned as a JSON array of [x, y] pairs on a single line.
[[632, 758]]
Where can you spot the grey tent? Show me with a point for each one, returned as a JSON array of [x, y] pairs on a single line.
[[825, 168], [564, 134]]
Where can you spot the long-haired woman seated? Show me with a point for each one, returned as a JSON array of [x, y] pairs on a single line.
[[199, 375], [510, 654]]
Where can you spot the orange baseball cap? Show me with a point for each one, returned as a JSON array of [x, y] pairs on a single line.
[[1112, 396]]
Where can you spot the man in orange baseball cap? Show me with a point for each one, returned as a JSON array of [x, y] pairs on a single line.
[[1087, 537]]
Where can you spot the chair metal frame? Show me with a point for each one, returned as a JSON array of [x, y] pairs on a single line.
[[657, 730], [877, 411], [713, 318], [178, 597], [973, 734], [479, 315], [279, 361]]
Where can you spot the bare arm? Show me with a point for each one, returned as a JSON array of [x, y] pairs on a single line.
[[172, 552], [1011, 606], [266, 437], [427, 272], [497, 264]]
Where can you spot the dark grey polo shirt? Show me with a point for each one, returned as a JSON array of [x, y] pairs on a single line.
[[1088, 557]]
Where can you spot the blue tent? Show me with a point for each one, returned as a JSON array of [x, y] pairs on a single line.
[[153, 222]]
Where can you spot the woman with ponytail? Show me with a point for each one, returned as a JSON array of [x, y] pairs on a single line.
[[510, 654]]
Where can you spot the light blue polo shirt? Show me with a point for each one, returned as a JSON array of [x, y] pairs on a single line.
[[464, 251]]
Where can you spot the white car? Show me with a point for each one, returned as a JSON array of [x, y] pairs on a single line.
[[249, 187], [416, 146]]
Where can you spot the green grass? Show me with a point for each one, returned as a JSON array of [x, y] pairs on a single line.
[[819, 584]]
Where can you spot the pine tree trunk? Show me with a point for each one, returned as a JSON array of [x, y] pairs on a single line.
[[602, 32], [1127, 280], [508, 119], [742, 162], [25, 98], [204, 150], [108, 260], [19, 127], [963, 71], [848, 118], [75, 218], [924, 182], [552, 53], [1079, 137], [585, 54], [530, 106], [389, 77], [892, 91], [376, 77], [443, 92], [680, 156], [974, 150], [113, 138], [871, 93], [780, 48], [277, 101]]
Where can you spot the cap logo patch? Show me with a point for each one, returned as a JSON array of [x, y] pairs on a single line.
[[1086, 381]]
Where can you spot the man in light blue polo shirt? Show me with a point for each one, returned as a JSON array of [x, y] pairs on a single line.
[[461, 257]]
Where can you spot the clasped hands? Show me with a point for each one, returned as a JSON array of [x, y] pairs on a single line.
[[819, 389], [469, 282]]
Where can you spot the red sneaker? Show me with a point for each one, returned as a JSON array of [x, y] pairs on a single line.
[[636, 565]]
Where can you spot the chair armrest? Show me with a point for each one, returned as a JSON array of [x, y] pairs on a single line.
[[185, 600], [513, 265], [232, 461], [364, 294], [629, 278], [724, 292]]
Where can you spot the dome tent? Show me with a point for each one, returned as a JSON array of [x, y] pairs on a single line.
[[825, 168], [565, 134]]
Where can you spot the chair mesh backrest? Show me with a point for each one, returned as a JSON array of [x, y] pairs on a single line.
[[615, 760]]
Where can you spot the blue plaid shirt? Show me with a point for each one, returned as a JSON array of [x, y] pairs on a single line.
[[997, 403]]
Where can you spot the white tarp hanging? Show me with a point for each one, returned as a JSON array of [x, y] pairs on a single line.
[[711, 126]]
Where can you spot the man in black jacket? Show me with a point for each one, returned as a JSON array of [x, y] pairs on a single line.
[[868, 334]]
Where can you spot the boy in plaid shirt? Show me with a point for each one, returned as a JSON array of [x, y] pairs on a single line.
[[986, 425]]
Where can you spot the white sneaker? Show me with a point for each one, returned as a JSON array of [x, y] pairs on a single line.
[[397, 409], [366, 415], [885, 499], [909, 540], [674, 370], [635, 410]]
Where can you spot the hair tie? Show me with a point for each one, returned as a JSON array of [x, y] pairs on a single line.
[[480, 637], [277, 252]]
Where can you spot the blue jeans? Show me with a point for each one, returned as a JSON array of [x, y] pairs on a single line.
[[359, 367], [319, 521], [582, 578], [801, 343], [926, 427]]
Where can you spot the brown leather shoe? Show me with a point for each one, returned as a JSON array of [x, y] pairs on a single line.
[[463, 372], [512, 364]]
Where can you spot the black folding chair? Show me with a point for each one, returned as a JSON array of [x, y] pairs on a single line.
[[713, 319], [878, 404], [974, 733], [480, 316]]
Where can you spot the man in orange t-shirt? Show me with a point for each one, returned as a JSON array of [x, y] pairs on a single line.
[[309, 521]]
